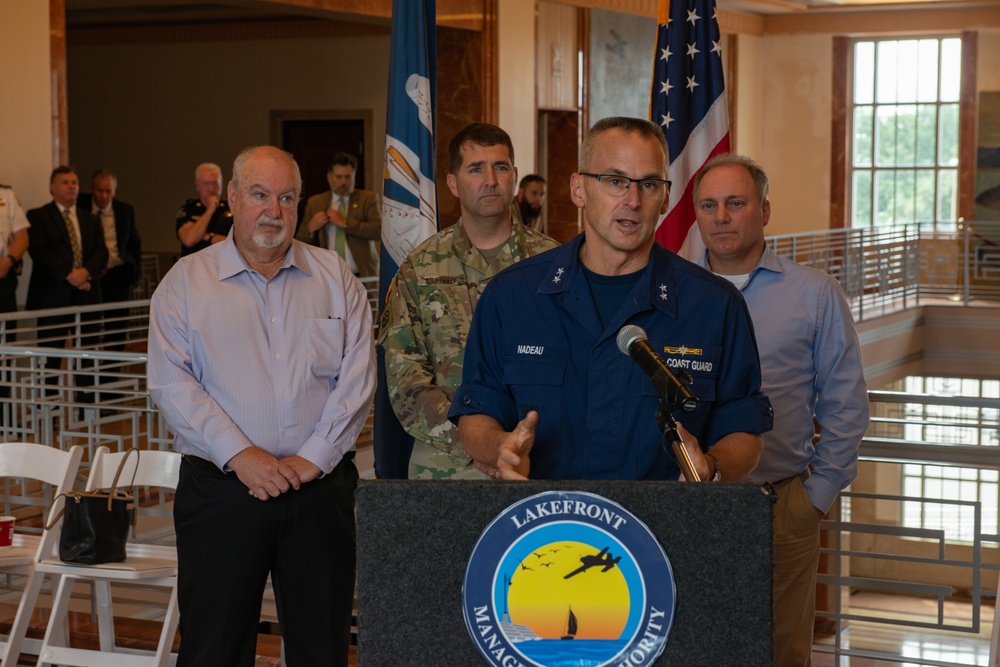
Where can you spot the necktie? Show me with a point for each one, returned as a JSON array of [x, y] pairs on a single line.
[[74, 240], [340, 243]]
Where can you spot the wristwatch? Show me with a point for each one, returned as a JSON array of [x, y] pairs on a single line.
[[717, 477]]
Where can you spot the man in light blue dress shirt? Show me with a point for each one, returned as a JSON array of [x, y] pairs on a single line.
[[810, 362], [261, 359]]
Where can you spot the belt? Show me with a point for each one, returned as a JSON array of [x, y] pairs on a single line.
[[202, 465], [206, 466], [803, 476]]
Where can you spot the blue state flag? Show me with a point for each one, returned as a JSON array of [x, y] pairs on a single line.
[[409, 193]]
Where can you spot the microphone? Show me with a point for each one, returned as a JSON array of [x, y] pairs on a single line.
[[632, 341]]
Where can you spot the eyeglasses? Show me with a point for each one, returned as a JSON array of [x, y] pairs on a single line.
[[617, 185]]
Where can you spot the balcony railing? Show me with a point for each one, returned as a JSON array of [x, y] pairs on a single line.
[[869, 545], [887, 269]]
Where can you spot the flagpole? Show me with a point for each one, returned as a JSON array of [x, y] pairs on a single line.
[[409, 193]]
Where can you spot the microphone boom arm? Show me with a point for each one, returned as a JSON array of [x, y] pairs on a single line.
[[669, 429]]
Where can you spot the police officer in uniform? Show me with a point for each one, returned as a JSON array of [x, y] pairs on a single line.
[[13, 244], [205, 220]]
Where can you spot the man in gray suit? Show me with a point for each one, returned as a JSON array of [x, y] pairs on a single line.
[[344, 219]]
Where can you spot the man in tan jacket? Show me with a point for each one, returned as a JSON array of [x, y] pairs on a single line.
[[343, 219]]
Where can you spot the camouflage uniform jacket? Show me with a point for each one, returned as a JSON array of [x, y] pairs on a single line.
[[423, 330]]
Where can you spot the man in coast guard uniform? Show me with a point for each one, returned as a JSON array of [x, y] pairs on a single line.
[[546, 392]]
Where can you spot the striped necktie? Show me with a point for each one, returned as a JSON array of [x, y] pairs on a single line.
[[74, 240]]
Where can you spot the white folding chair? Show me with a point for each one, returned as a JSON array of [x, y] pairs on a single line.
[[145, 564], [29, 461], [995, 636]]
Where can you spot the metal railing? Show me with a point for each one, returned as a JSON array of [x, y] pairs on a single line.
[[883, 270], [98, 396], [873, 547]]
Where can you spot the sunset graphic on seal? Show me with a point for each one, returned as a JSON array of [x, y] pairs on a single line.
[[562, 577]]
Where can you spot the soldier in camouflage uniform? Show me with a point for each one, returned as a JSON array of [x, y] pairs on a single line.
[[429, 307]]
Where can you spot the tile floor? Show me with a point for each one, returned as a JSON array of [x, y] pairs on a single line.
[[868, 640]]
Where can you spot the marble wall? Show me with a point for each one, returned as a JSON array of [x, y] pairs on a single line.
[[460, 102]]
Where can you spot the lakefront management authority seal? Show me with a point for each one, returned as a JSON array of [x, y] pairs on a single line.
[[566, 577]]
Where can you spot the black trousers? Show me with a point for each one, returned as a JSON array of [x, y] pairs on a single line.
[[56, 329], [227, 544], [8, 292], [116, 285]]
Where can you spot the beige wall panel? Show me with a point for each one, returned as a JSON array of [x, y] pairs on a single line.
[[153, 112], [891, 346], [748, 120], [26, 111], [962, 343], [26, 118], [989, 60], [556, 67], [794, 142], [516, 61]]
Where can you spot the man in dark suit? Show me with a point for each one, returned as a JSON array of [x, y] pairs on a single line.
[[124, 250], [65, 268], [344, 219]]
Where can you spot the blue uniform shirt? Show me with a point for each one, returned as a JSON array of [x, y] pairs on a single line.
[[536, 343]]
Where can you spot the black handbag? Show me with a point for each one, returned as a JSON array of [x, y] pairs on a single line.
[[96, 523]]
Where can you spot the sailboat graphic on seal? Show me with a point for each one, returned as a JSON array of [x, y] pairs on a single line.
[[570, 625]]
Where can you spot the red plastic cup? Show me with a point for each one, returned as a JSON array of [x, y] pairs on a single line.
[[6, 531]]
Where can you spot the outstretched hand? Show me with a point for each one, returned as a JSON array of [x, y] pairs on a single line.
[[512, 460]]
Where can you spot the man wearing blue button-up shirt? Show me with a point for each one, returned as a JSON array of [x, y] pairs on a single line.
[[811, 366], [261, 359], [545, 391]]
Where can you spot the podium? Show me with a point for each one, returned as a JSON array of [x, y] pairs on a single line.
[[415, 539]]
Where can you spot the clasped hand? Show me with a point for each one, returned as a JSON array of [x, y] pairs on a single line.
[[268, 477], [80, 279]]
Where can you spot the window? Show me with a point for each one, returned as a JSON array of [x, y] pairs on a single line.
[[951, 425], [904, 118]]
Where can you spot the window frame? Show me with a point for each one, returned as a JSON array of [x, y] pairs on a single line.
[[842, 125]]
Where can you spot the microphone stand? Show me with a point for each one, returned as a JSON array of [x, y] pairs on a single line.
[[669, 429]]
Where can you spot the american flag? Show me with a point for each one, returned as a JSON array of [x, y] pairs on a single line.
[[409, 194], [688, 100]]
